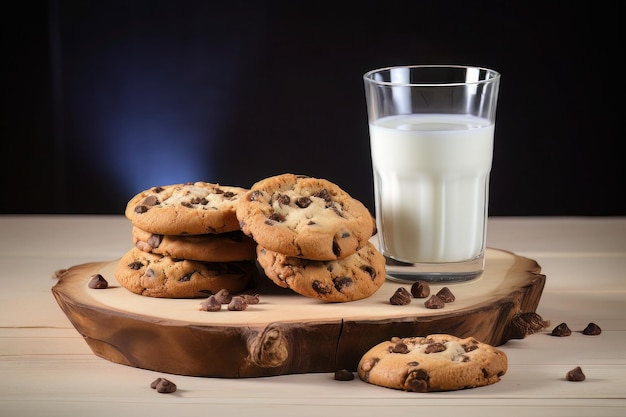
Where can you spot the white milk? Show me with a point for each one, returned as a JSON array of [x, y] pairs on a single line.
[[431, 175]]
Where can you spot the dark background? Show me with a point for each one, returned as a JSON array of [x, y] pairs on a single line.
[[103, 99]]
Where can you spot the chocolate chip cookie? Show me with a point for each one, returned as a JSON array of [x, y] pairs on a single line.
[[437, 362], [215, 247], [304, 217], [159, 276], [352, 278], [191, 208]]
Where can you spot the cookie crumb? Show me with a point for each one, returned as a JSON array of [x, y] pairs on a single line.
[[401, 297], [575, 375], [97, 281], [561, 330], [592, 329], [344, 375]]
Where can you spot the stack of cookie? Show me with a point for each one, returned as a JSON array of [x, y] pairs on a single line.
[[187, 242], [312, 237]]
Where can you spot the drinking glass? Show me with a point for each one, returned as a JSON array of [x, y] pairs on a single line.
[[431, 137]]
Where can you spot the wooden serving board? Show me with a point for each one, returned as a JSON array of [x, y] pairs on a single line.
[[287, 333]]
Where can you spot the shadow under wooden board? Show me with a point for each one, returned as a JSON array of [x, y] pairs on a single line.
[[287, 333]]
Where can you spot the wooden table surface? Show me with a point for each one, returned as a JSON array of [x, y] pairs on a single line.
[[47, 369]]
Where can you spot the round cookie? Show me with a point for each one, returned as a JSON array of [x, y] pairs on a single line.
[[305, 217], [438, 362], [165, 277], [217, 247], [352, 278], [192, 208]]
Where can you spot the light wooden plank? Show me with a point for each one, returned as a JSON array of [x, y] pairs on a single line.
[[47, 368]]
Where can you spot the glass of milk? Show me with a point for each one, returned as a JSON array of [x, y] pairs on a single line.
[[431, 137]]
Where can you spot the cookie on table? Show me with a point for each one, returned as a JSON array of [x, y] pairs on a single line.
[[159, 276], [192, 208], [352, 278], [216, 247], [438, 362], [306, 217]]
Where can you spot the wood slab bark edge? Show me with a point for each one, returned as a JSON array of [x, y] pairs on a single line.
[[281, 348]]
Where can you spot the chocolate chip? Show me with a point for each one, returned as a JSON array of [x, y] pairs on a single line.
[[420, 289], [98, 282], [154, 383], [371, 271], [151, 200], [321, 288], [256, 195], [186, 277], [434, 302], [251, 299], [561, 330], [141, 209], [344, 375], [237, 304], [524, 324], [164, 386], [575, 375], [401, 297], [210, 304], [399, 347], [446, 295], [342, 282], [135, 265], [418, 380], [323, 194], [199, 200], [418, 385], [283, 199], [435, 347], [470, 347], [303, 202], [155, 240], [592, 329], [336, 210], [277, 217], [223, 296], [336, 249]]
